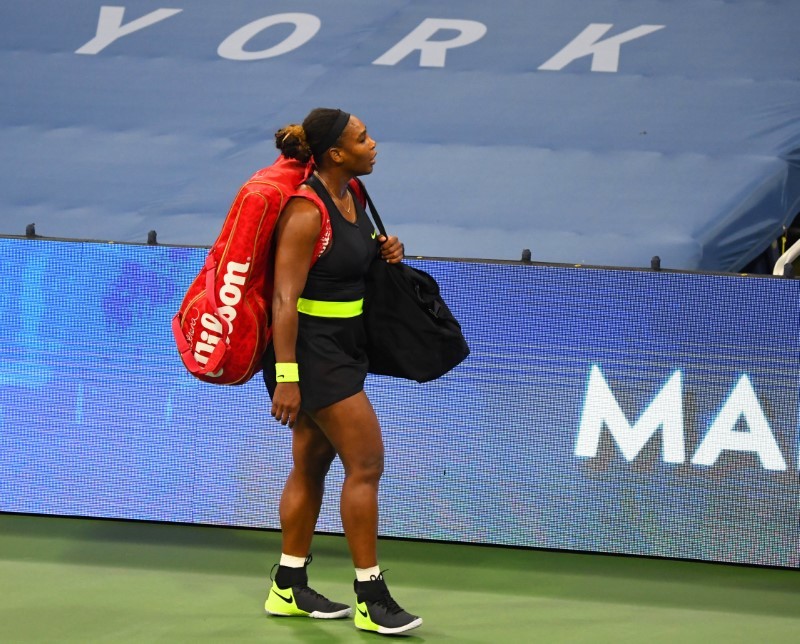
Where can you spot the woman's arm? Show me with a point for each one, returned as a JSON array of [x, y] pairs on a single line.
[[296, 236]]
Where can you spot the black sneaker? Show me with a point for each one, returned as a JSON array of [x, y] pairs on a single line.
[[376, 610], [290, 596]]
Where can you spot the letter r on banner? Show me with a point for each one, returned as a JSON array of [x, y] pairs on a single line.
[[604, 53], [433, 52]]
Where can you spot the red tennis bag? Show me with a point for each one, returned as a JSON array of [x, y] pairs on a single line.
[[223, 325]]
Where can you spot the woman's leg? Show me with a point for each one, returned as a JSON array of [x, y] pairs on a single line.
[[352, 428], [312, 454], [290, 594]]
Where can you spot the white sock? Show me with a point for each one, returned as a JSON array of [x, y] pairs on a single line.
[[366, 574], [292, 562]]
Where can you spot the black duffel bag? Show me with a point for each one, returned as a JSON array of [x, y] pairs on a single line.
[[411, 332]]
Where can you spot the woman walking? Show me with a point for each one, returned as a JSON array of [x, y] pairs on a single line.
[[316, 365]]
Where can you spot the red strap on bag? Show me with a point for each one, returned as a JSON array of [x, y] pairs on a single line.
[[184, 346]]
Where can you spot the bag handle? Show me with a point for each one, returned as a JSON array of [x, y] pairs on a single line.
[[373, 210]]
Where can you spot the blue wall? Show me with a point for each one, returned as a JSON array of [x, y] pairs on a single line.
[[601, 132], [539, 439]]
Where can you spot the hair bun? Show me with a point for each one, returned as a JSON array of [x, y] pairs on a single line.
[[291, 141]]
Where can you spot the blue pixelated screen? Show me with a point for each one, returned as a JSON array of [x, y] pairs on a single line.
[[600, 410]]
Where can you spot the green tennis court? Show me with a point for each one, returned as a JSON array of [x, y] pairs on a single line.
[[86, 580]]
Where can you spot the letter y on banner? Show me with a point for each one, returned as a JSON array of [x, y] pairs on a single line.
[[110, 27]]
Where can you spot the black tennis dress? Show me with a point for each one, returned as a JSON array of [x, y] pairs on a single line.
[[331, 340]]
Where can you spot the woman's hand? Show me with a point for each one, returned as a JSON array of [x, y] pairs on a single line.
[[391, 249], [286, 403]]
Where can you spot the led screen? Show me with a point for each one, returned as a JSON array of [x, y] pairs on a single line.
[[600, 410]]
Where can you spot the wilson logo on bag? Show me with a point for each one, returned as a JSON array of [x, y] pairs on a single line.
[[223, 325]]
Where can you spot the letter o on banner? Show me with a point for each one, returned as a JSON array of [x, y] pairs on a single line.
[[306, 27]]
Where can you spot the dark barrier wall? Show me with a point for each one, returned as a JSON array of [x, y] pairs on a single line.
[[601, 410]]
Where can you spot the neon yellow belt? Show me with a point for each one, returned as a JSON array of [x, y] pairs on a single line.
[[322, 309]]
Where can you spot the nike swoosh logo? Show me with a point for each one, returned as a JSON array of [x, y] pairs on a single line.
[[374, 234], [288, 600], [363, 612], [281, 377]]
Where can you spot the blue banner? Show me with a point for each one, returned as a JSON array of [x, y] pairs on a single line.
[[603, 132], [600, 410]]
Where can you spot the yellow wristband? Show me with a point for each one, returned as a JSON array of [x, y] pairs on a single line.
[[286, 372]]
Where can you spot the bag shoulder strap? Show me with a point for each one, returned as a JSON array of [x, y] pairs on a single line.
[[360, 191], [313, 198], [325, 231]]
